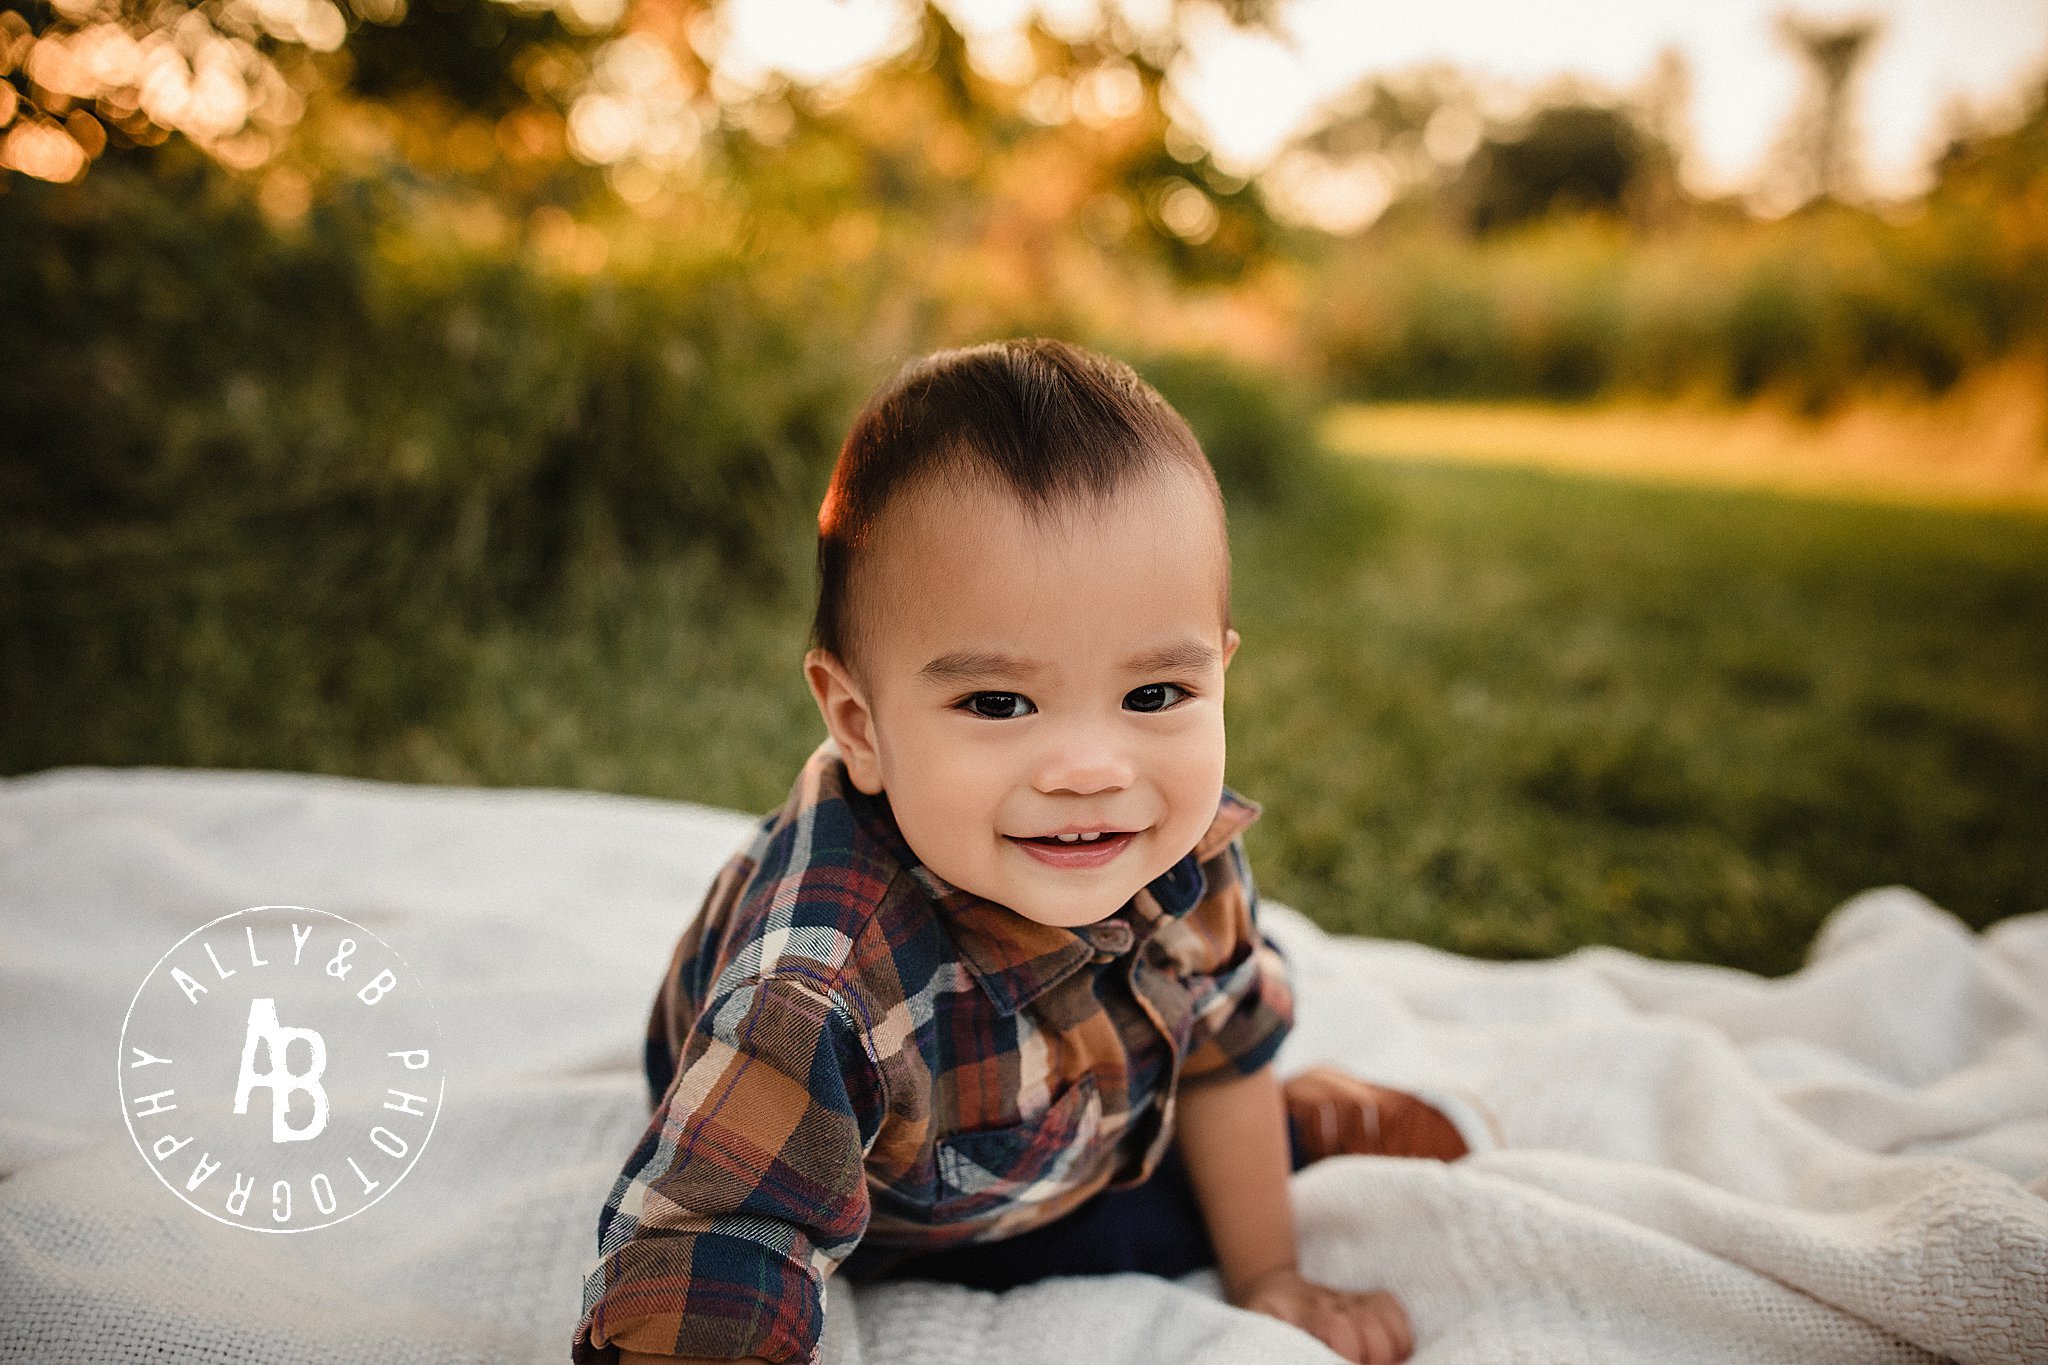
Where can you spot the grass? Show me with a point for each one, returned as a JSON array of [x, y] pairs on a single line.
[[1505, 711], [1983, 445], [1530, 711]]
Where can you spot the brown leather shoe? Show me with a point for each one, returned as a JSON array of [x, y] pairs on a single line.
[[1336, 1114]]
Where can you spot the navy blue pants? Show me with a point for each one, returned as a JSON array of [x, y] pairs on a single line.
[[1155, 1228]]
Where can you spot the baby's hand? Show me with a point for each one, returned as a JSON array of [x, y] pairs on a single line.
[[1366, 1329]]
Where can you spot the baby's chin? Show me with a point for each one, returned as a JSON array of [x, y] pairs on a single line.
[[1072, 908], [1067, 916], [1063, 907]]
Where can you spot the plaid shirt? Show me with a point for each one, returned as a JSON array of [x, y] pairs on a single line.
[[848, 1050]]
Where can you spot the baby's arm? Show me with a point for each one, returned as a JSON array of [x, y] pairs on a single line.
[[751, 1167], [1233, 1136]]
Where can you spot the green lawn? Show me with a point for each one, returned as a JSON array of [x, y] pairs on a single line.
[[1531, 711], [1503, 711]]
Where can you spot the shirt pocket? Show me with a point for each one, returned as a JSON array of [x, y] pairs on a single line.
[[994, 1168]]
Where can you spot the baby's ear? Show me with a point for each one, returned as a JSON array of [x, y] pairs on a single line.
[[846, 714], [1229, 646]]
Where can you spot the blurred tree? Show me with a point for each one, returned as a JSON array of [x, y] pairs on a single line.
[[1662, 102], [1057, 195], [1999, 163], [234, 75], [1416, 148], [1388, 139], [468, 53], [1567, 157], [79, 76], [1816, 156], [1988, 229]]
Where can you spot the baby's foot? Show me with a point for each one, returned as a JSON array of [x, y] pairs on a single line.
[[1336, 1114]]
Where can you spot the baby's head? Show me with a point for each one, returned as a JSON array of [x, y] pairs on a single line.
[[1023, 623]]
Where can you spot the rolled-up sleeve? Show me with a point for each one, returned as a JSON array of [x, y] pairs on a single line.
[[1241, 1023], [746, 1190]]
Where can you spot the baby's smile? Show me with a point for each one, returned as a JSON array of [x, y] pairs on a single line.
[[1050, 760], [1077, 850]]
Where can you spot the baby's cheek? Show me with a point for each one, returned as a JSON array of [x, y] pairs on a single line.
[[1197, 790]]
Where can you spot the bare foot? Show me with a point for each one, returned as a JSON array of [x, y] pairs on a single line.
[[1336, 1114]]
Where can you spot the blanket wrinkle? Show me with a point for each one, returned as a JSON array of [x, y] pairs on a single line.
[[1847, 1164]]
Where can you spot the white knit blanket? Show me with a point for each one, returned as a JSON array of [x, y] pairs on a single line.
[[1848, 1164]]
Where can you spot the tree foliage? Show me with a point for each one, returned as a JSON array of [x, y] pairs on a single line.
[[1568, 158]]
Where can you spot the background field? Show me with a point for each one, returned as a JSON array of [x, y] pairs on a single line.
[[1546, 710]]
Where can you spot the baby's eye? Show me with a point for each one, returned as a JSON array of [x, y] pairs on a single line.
[[1147, 698], [998, 704]]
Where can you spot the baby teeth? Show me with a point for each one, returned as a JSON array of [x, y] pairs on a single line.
[[1078, 838]]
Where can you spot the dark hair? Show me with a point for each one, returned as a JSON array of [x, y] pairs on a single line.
[[1053, 424]]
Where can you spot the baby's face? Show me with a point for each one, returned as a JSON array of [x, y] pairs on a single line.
[[1025, 682]]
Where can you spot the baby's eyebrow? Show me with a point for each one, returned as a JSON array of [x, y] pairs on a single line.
[[971, 665], [1181, 654], [974, 665]]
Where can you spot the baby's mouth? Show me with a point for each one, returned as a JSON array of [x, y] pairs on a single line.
[[1059, 852]]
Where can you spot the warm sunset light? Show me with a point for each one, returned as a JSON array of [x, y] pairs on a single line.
[[1249, 91], [1138, 682]]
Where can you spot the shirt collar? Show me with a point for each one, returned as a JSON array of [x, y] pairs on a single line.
[[1014, 959]]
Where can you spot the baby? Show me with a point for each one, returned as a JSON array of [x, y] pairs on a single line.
[[986, 1001]]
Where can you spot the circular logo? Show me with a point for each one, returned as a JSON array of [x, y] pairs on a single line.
[[278, 1069]]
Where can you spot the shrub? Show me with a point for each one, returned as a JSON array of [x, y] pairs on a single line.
[[245, 460], [1258, 428]]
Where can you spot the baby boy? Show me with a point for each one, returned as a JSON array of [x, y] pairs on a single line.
[[986, 1000]]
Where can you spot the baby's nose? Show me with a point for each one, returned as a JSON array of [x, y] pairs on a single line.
[[1085, 762]]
